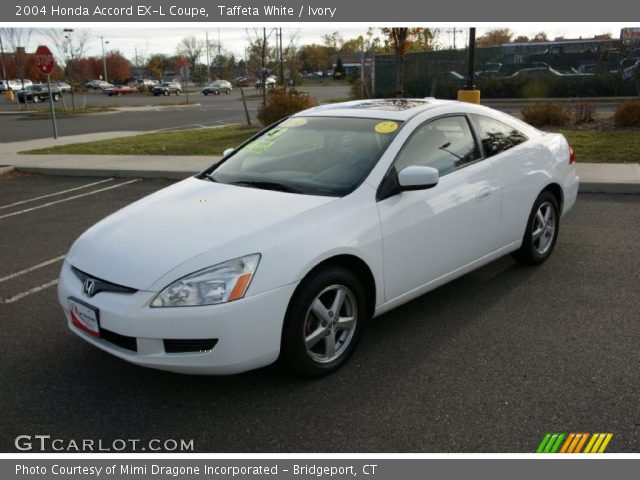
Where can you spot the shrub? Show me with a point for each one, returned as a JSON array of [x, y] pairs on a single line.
[[628, 114], [541, 114], [283, 102], [584, 112]]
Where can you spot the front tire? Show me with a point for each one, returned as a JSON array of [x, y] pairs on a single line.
[[323, 322], [542, 231]]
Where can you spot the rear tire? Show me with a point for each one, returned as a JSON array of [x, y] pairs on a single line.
[[542, 231], [323, 322]]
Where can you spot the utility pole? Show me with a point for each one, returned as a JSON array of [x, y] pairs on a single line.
[[135, 49], [263, 71], [455, 30], [4, 68], [219, 58], [281, 61], [104, 59], [208, 61], [68, 31]]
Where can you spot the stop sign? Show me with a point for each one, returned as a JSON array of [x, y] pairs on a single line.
[[44, 59]]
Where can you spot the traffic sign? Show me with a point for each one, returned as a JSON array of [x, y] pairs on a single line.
[[44, 59]]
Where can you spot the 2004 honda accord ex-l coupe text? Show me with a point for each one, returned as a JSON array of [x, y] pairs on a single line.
[[287, 246]]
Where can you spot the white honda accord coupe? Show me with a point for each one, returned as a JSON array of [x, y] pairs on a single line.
[[286, 247]]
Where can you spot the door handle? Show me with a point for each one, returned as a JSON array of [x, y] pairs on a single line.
[[483, 194]]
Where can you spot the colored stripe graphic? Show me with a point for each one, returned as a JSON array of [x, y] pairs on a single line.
[[574, 442]]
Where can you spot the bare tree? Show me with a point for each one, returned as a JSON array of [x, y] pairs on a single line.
[[259, 44], [191, 48], [17, 40], [67, 45]]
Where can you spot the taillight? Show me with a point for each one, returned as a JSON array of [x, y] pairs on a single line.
[[572, 155]]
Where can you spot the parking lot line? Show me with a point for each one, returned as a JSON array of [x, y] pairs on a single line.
[[37, 289], [31, 269], [56, 193], [68, 199]]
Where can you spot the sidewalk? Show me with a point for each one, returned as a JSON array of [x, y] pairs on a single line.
[[594, 177]]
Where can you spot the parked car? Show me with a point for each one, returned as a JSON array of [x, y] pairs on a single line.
[[218, 87], [97, 85], [146, 82], [38, 93], [285, 248], [242, 82], [119, 90], [536, 72], [270, 82], [167, 88], [63, 86], [14, 85]]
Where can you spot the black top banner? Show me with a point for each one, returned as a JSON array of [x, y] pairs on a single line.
[[260, 11]]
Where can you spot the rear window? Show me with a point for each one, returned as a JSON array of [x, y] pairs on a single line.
[[495, 136]]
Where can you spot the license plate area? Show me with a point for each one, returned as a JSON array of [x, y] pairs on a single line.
[[84, 316]]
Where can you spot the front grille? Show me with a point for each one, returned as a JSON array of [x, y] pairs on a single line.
[[122, 341], [101, 285], [189, 346]]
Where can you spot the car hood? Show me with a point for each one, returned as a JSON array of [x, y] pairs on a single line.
[[139, 244]]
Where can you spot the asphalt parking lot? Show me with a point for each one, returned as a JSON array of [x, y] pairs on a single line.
[[488, 363]]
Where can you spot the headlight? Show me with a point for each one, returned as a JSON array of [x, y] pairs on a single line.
[[221, 283]]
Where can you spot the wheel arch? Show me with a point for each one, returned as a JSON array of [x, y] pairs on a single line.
[[354, 264], [556, 190]]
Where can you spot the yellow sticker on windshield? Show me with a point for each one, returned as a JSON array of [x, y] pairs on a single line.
[[259, 146], [294, 122], [386, 127]]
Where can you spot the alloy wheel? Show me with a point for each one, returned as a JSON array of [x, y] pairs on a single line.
[[544, 228], [330, 323]]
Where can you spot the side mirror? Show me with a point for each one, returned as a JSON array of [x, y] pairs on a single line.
[[418, 178], [227, 152]]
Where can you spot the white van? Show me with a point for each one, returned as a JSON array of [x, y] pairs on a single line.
[[15, 85]]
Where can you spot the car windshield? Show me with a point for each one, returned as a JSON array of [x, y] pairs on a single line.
[[310, 155]]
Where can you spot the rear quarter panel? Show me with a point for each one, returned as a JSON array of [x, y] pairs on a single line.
[[524, 171]]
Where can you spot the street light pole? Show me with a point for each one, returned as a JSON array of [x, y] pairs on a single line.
[[68, 31], [104, 59]]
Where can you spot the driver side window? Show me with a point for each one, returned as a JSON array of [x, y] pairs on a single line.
[[446, 144]]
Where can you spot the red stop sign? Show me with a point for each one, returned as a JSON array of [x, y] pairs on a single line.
[[44, 59]]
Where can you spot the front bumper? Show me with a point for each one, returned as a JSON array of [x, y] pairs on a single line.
[[248, 331]]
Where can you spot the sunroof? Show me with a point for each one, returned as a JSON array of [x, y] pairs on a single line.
[[389, 104]]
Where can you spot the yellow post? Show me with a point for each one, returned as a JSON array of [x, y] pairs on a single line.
[[469, 96], [9, 95]]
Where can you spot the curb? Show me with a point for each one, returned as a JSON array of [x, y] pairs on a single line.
[[610, 187], [585, 187]]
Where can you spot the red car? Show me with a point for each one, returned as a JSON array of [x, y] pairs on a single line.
[[119, 90]]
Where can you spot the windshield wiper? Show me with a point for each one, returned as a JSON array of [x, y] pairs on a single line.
[[281, 187]]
